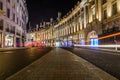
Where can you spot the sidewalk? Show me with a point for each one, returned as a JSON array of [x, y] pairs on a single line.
[[103, 49], [9, 49], [109, 50], [60, 64]]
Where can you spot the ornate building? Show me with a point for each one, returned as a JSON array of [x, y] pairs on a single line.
[[89, 22], [42, 34], [13, 20]]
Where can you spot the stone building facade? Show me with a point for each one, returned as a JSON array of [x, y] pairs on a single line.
[[90, 22], [13, 20]]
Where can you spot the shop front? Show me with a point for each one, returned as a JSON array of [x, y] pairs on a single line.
[[81, 39], [70, 41], [92, 38], [9, 40]]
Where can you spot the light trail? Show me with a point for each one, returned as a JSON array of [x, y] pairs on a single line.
[[104, 46], [111, 35]]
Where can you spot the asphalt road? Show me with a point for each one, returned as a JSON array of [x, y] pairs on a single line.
[[13, 61], [108, 61]]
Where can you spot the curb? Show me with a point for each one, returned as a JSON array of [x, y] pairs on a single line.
[[11, 49], [100, 49]]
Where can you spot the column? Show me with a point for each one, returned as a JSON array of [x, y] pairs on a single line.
[[85, 16], [3, 35], [14, 39], [21, 44]]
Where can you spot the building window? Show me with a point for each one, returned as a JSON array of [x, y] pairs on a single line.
[[14, 17], [8, 1], [1, 5], [17, 20], [18, 1], [104, 1], [14, 5], [105, 14], [8, 13], [114, 8], [1, 24]]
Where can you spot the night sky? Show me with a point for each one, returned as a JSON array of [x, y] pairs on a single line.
[[43, 10]]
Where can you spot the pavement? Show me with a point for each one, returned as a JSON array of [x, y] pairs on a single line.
[[11, 48], [60, 64], [104, 49]]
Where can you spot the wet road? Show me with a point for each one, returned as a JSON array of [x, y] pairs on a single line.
[[108, 61], [13, 61]]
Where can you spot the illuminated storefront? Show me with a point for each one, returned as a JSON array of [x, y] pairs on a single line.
[[93, 38], [81, 39], [9, 40]]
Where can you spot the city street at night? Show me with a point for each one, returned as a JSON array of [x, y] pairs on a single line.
[[14, 60], [60, 64], [59, 39]]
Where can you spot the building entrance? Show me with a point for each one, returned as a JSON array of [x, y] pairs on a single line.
[[92, 38]]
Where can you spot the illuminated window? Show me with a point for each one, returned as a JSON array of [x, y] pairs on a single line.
[[114, 8]]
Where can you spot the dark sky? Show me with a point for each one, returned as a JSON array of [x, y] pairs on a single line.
[[43, 10]]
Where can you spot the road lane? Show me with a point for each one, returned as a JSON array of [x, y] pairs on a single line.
[[13, 61]]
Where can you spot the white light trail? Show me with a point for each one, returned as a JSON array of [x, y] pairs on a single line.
[[102, 46]]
